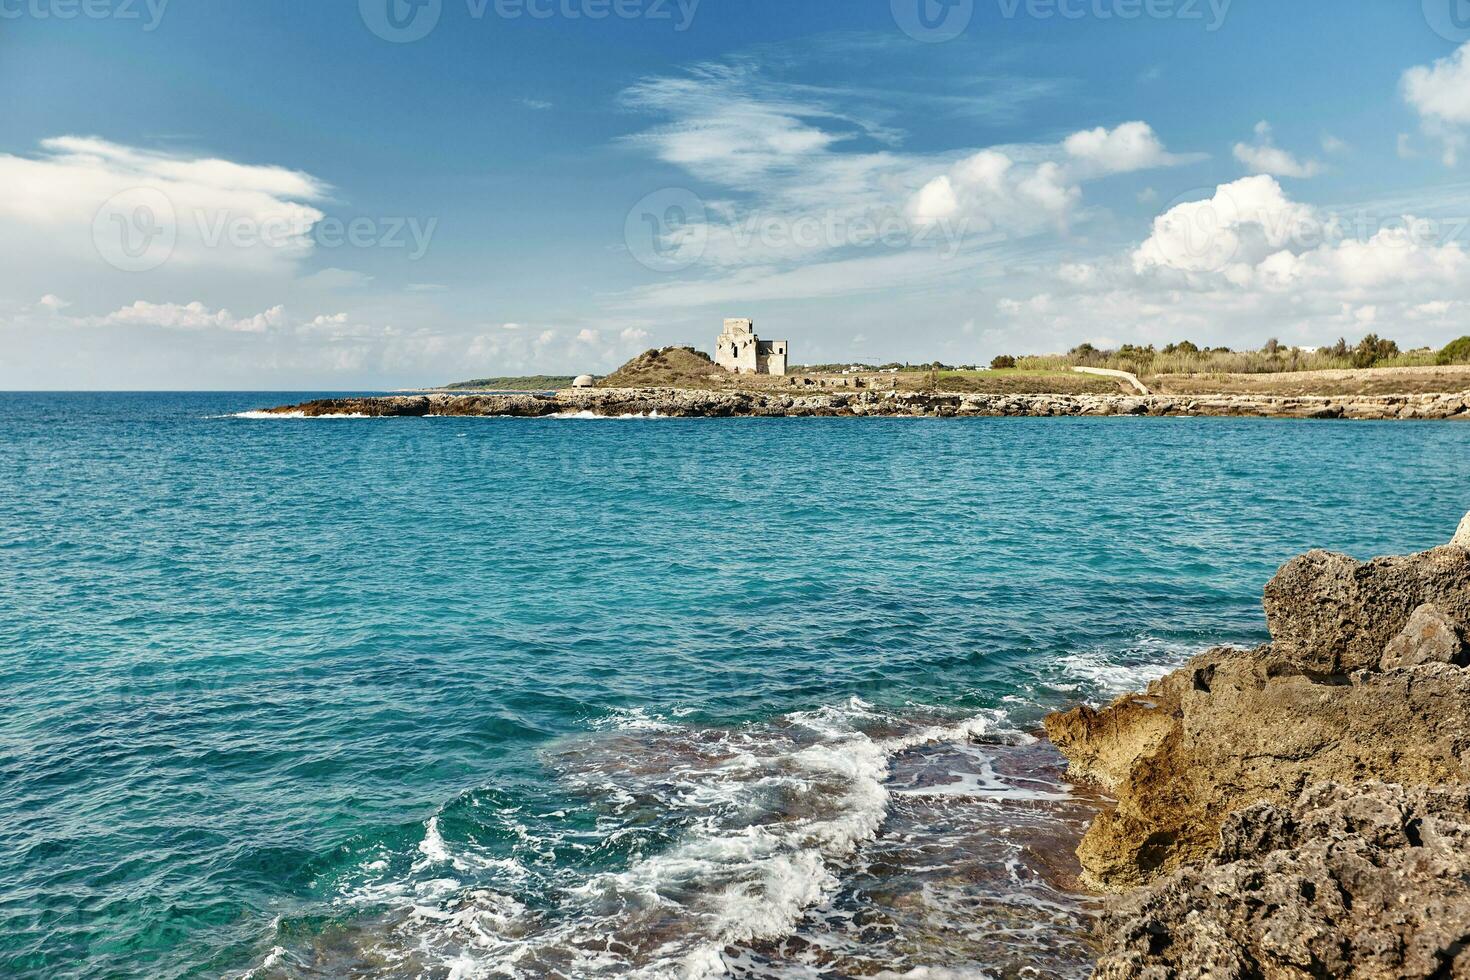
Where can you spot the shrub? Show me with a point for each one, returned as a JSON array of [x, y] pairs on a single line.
[[1455, 352], [1002, 363], [1372, 349]]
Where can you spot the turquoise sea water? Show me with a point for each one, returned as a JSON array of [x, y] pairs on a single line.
[[458, 698]]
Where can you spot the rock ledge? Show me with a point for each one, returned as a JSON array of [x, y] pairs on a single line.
[[1302, 809]]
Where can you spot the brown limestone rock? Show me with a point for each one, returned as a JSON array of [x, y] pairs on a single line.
[[1368, 882], [1233, 728], [1330, 615], [1430, 637]]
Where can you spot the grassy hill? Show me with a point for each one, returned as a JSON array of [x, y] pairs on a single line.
[[677, 367]]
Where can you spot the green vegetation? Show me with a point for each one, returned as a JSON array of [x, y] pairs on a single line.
[[1185, 357], [1002, 363], [1455, 352], [535, 382]]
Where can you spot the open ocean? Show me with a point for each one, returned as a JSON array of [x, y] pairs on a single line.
[[458, 698]]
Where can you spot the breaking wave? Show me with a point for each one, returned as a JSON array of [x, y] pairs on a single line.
[[761, 850]]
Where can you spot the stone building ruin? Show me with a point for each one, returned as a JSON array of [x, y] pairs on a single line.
[[738, 349]]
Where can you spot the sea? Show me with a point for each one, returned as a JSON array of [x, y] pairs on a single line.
[[586, 698]]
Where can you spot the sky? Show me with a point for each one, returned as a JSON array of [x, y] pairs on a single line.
[[373, 194]]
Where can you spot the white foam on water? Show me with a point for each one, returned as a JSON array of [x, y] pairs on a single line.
[[1112, 673], [590, 415], [293, 415], [980, 781], [765, 817]]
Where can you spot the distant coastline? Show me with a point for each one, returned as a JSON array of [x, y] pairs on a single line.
[[699, 403]]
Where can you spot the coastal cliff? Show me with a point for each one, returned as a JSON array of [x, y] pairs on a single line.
[[1302, 809], [700, 403]]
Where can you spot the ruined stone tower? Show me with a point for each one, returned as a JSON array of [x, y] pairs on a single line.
[[738, 349]]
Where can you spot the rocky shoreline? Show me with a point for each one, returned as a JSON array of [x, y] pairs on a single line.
[[699, 403], [1302, 809]]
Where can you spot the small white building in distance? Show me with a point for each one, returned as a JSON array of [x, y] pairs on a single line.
[[738, 349]]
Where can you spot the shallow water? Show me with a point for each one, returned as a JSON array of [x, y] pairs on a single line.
[[569, 697]]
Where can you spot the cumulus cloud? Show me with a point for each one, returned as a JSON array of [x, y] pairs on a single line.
[[191, 316], [1440, 93], [1128, 147], [1249, 261], [1265, 157], [1251, 217]]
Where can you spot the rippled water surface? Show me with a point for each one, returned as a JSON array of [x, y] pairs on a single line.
[[580, 698]]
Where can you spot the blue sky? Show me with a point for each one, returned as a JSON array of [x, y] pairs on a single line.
[[273, 195]]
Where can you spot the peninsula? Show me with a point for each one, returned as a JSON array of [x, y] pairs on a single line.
[[751, 377]]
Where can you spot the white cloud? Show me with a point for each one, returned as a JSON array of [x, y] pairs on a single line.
[[190, 316], [1440, 93], [1251, 216], [1264, 157], [214, 213], [802, 183], [52, 302], [936, 201], [1128, 147], [1247, 262]]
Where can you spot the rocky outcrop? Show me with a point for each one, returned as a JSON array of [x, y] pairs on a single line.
[[1217, 770], [1361, 882], [1329, 614], [702, 403]]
